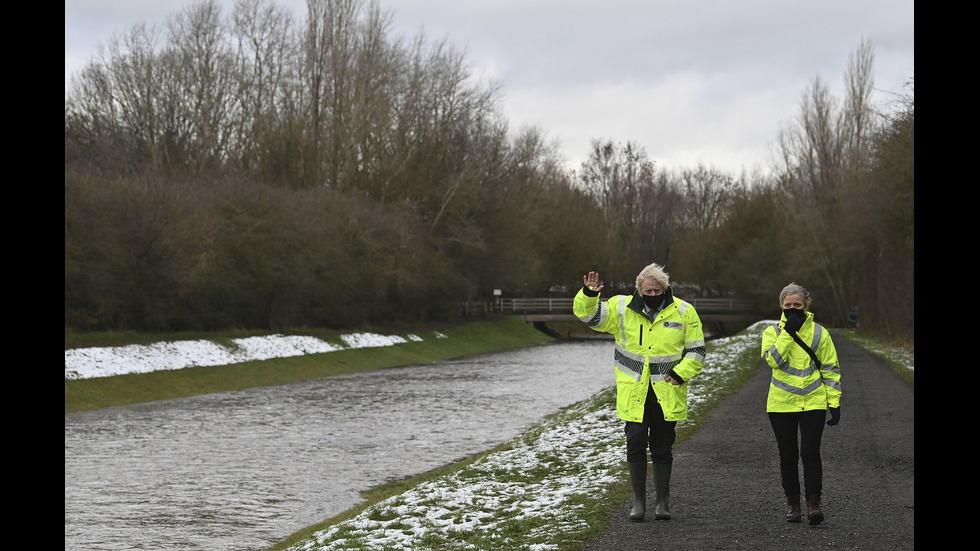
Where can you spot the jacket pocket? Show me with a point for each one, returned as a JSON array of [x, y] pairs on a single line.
[[673, 401]]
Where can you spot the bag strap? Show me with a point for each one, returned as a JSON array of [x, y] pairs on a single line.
[[813, 355], [804, 346]]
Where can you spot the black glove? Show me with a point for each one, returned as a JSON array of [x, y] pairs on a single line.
[[794, 321], [834, 417]]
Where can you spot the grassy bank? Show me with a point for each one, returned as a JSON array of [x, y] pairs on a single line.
[[899, 356], [463, 340], [551, 489]]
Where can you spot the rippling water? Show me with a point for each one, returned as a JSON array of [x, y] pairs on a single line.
[[242, 470]]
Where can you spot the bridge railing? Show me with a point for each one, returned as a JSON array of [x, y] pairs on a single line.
[[564, 305], [534, 305]]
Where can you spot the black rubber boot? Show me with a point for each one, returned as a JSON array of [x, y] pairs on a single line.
[[661, 483], [638, 479]]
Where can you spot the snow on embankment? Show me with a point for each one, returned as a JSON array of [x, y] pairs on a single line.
[[87, 363]]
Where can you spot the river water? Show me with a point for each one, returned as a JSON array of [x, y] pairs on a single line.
[[241, 470]]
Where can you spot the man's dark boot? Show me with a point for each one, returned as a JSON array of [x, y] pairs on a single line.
[[638, 479], [794, 508], [813, 513], [661, 483]]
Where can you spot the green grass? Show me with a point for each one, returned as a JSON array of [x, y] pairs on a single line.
[[378, 494], [463, 340], [581, 517], [732, 361], [899, 356]]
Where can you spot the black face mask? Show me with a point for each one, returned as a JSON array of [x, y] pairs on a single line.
[[794, 312], [653, 302]]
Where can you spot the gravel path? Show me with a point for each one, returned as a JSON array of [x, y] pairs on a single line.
[[725, 491]]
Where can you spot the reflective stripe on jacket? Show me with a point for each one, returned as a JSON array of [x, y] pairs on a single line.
[[647, 350], [798, 384]]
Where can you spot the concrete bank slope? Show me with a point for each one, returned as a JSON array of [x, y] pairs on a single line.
[[725, 491]]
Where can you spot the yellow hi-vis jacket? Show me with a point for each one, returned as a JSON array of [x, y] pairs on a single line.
[[647, 350], [797, 383]]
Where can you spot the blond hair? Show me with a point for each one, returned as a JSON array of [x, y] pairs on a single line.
[[653, 271], [794, 289]]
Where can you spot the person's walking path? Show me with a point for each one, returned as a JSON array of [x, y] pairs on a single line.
[[725, 491]]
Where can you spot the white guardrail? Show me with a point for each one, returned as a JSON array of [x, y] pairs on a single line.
[[564, 305]]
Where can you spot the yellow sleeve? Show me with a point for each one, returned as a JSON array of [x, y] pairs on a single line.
[[694, 349], [829, 369], [775, 350], [593, 312]]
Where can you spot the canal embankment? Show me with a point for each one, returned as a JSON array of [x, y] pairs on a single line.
[[445, 343]]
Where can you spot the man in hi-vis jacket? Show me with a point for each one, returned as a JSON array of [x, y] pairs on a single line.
[[659, 348]]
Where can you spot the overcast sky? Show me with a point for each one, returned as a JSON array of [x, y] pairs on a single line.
[[692, 81]]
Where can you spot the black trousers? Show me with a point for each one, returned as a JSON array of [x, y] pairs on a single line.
[[654, 432], [808, 425]]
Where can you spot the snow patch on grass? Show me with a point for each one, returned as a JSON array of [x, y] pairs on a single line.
[[85, 363], [535, 494]]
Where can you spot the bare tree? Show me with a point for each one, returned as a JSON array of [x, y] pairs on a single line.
[[824, 158], [199, 45], [639, 207], [707, 195], [330, 45], [887, 225], [377, 65], [138, 94], [264, 48]]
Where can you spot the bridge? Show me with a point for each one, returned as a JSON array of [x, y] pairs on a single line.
[[719, 315]]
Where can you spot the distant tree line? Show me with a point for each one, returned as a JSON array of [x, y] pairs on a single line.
[[249, 169]]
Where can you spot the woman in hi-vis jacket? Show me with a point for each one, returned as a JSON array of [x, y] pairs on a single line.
[[659, 348], [805, 385]]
